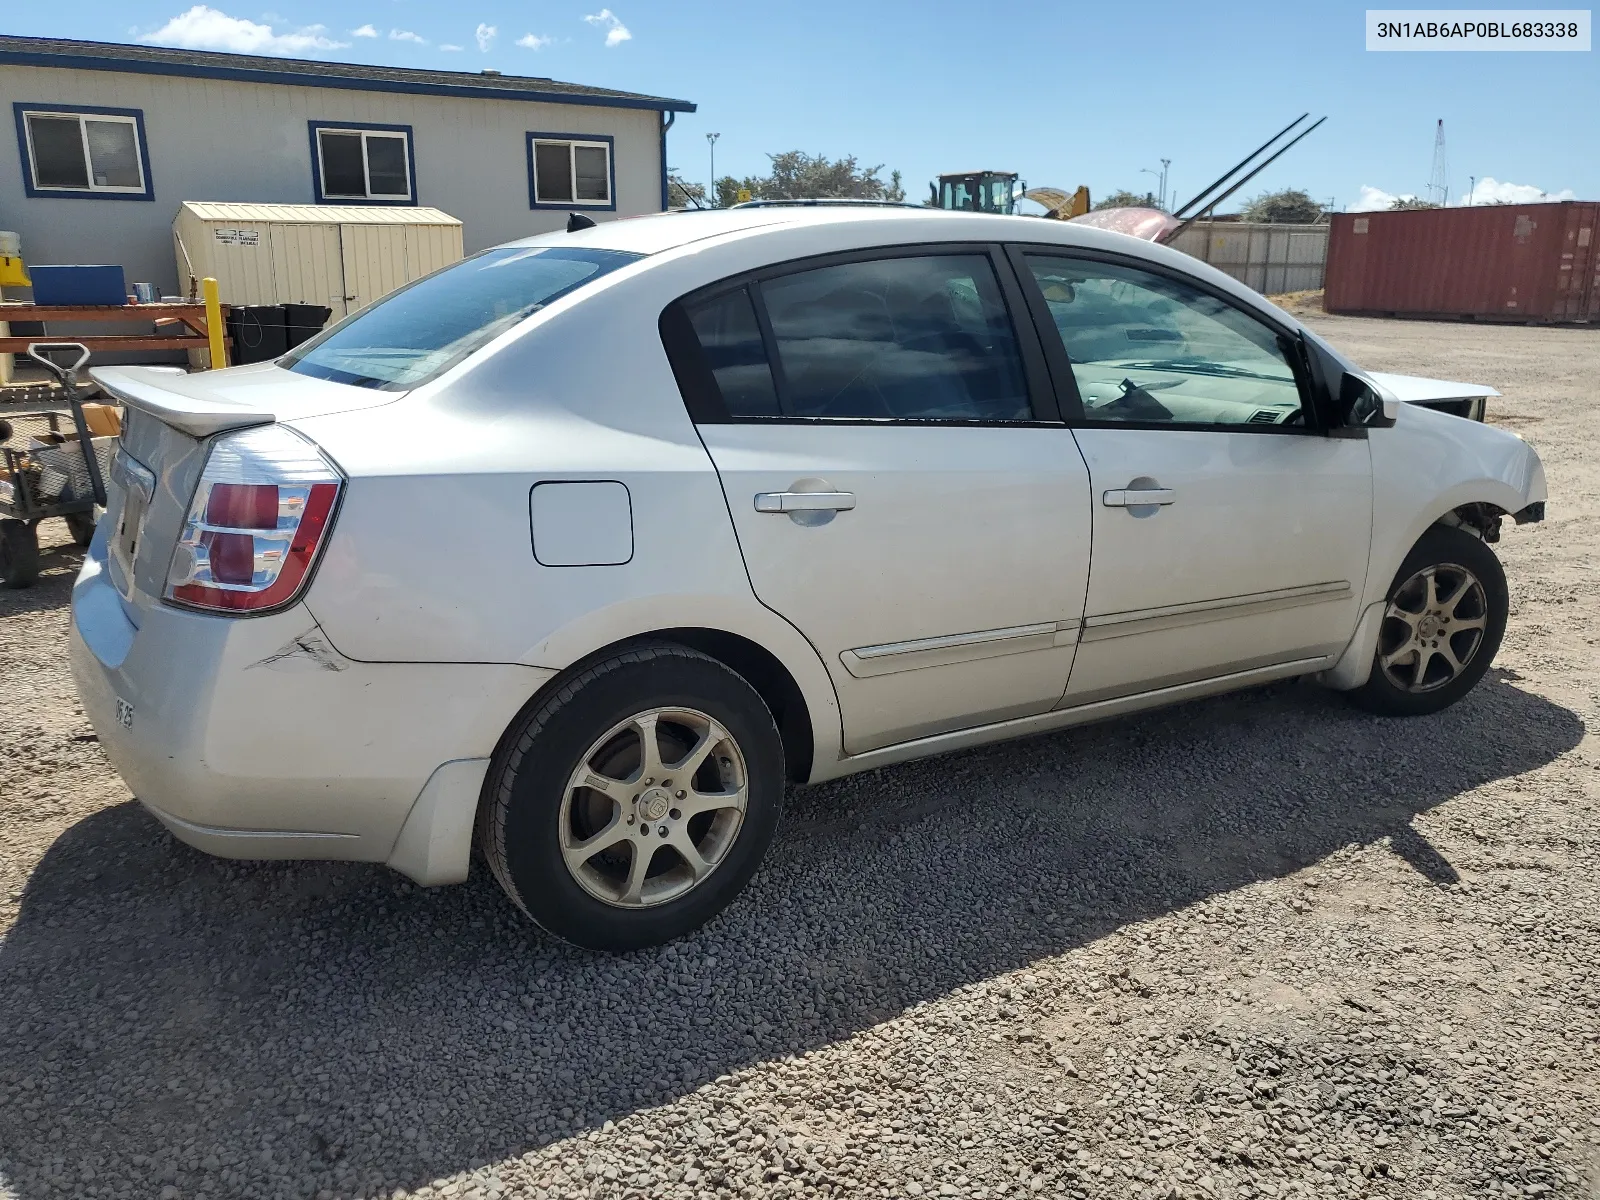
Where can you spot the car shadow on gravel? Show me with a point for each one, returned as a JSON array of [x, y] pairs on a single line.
[[278, 1029], [58, 567]]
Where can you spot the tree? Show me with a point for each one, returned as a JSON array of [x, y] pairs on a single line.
[[1127, 199], [1292, 207], [797, 175], [683, 194], [1407, 203]]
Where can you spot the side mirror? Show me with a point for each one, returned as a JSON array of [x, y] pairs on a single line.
[[1366, 402]]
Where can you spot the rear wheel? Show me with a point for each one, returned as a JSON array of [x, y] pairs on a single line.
[[19, 554], [1442, 625], [635, 803]]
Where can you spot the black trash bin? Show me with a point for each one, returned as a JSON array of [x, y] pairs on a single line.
[[302, 322], [258, 333]]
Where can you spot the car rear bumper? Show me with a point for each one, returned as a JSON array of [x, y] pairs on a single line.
[[255, 738]]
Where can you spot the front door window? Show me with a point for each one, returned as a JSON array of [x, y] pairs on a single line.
[[1147, 348]]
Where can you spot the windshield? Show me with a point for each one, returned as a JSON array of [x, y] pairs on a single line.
[[413, 334]]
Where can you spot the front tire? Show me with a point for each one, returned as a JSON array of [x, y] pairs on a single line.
[[1442, 624], [635, 802]]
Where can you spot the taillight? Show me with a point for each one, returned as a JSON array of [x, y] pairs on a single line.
[[256, 522]]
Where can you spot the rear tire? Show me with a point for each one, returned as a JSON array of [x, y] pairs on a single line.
[[646, 854], [19, 554], [1445, 615], [81, 527]]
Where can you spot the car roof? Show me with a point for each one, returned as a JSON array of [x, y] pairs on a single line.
[[656, 233], [659, 233]]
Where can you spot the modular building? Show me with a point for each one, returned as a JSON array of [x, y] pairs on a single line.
[[111, 140], [1529, 263]]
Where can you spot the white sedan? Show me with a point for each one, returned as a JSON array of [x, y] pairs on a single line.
[[585, 547]]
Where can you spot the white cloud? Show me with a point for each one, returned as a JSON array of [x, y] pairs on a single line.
[[485, 35], [405, 35], [364, 31], [1376, 199], [531, 41], [205, 28], [450, 47], [616, 31], [1489, 190]]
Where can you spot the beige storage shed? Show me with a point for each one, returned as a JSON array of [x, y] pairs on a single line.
[[343, 256]]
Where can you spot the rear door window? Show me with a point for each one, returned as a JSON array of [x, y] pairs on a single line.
[[730, 338], [903, 338], [913, 338]]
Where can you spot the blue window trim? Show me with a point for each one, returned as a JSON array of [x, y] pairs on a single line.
[[19, 108], [128, 66], [575, 205], [371, 202]]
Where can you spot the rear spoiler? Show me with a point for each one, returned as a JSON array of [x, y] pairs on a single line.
[[142, 388]]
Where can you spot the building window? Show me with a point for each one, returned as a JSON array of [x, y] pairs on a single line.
[[94, 153], [363, 164], [567, 170]]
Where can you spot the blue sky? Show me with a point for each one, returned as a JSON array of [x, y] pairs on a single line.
[[1065, 94]]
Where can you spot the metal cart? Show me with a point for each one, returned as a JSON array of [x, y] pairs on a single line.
[[48, 468]]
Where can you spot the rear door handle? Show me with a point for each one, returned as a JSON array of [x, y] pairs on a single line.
[[788, 502], [1138, 497]]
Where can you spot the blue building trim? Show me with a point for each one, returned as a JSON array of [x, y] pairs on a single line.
[[667, 118], [92, 62], [575, 205], [28, 184]]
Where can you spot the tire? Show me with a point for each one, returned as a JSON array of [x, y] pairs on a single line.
[[81, 527], [19, 554], [537, 821], [1445, 615]]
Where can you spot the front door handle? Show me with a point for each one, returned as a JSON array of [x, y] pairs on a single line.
[[1138, 497], [790, 502]]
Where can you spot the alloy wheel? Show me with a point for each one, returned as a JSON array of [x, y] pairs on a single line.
[[653, 807], [1433, 628]]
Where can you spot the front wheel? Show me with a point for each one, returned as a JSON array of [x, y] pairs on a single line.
[[635, 803], [1445, 616]]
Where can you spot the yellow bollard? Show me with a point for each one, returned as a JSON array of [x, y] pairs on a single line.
[[219, 357]]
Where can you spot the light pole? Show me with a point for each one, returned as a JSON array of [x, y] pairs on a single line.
[[1472, 186], [1161, 185], [711, 141], [1149, 171]]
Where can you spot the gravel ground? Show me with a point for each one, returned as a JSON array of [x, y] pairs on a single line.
[[1256, 946]]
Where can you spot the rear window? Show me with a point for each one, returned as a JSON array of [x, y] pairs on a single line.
[[413, 334]]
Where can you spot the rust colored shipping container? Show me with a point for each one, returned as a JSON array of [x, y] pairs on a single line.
[[1535, 263]]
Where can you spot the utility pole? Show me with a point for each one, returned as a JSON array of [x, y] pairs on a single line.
[[711, 141], [1472, 186]]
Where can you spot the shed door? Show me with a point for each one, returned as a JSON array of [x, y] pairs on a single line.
[[374, 262], [306, 266]]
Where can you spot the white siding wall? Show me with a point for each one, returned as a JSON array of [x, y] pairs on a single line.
[[216, 139]]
